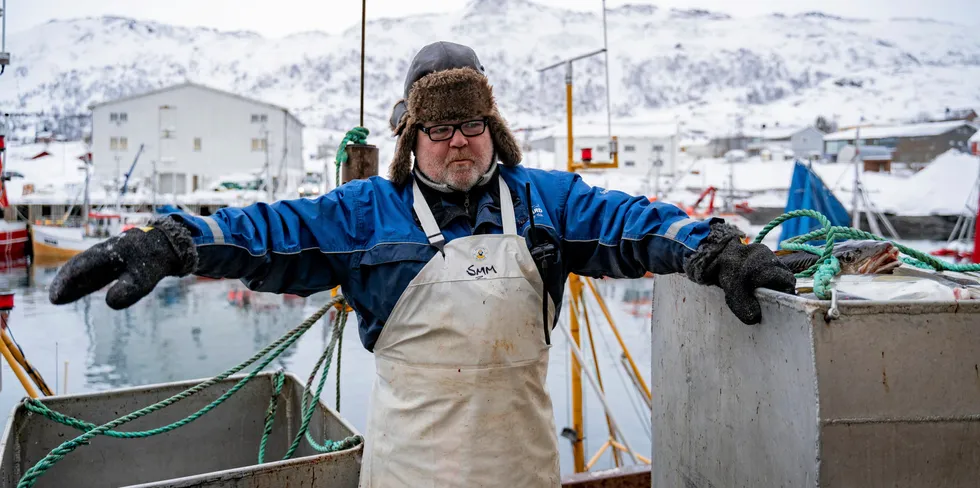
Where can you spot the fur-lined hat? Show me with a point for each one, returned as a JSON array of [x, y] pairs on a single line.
[[446, 82]]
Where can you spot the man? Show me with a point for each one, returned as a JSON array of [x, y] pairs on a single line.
[[438, 264]]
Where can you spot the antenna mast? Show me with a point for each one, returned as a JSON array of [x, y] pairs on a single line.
[[605, 48], [4, 55]]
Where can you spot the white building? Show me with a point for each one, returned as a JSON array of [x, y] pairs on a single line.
[[640, 145], [194, 134], [805, 142]]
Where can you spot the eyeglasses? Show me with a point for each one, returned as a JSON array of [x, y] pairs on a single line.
[[444, 132]]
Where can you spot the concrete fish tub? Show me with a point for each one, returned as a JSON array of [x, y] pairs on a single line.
[[218, 450], [885, 395]]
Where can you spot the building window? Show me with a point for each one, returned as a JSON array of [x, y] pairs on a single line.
[[259, 118], [601, 149], [629, 164], [123, 143], [113, 117], [123, 117], [114, 143], [258, 144], [629, 148], [197, 144]]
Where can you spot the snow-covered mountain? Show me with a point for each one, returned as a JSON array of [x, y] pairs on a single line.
[[696, 66]]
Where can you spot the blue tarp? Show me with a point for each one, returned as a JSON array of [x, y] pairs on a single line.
[[167, 209], [808, 191]]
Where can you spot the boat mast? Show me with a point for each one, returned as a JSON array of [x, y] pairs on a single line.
[[87, 162], [4, 55]]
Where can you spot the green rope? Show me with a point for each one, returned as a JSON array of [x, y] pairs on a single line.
[[270, 413], [91, 430], [826, 267], [309, 406], [357, 135], [340, 347]]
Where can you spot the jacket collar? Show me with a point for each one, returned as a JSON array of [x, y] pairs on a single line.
[[472, 209]]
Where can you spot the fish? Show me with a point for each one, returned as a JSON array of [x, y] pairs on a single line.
[[854, 256]]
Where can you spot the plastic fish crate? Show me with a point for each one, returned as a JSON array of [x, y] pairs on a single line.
[[885, 395], [218, 450]]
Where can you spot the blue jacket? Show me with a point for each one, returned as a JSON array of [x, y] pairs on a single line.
[[364, 237]]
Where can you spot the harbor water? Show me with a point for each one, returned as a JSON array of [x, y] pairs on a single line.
[[192, 328]]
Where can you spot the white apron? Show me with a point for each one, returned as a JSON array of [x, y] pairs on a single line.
[[460, 398]]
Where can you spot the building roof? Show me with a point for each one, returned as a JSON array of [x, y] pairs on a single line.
[[195, 85], [910, 130], [783, 132], [957, 114], [975, 137]]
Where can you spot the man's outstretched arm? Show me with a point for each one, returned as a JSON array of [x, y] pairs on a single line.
[[610, 233], [295, 246]]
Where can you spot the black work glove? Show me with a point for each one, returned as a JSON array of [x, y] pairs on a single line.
[[723, 260], [137, 258]]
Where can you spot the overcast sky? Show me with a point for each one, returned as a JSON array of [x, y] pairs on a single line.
[[275, 18]]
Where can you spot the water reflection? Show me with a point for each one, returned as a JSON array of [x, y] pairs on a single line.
[[174, 334]]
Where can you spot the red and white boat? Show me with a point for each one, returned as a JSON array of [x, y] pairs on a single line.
[[13, 241]]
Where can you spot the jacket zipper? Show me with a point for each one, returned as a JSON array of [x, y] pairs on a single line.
[[466, 204]]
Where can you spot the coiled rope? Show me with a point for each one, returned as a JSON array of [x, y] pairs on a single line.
[[827, 267]]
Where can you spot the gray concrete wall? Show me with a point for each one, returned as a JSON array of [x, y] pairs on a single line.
[[888, 395]]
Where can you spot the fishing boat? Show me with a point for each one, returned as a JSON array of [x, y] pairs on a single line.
[[53, 243], [13, 240]]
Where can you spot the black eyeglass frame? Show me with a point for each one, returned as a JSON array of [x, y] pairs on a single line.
[[455, 127]]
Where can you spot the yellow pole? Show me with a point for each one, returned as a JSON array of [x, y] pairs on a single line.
[[35, 376], [624, 449], [626, 351], [578, 448], [580, 302], [598, 454], [15, 366]]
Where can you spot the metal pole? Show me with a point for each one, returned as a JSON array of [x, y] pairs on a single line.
[[626, 352], [268, 167], [363, 28], [578, 356], [855, 190], [85, 202], [568, 106], [605, 45], [574, 339], [3, 29], [153, 197]]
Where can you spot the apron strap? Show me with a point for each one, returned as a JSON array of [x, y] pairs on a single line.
[[507, 208], [429, 225], [431, 228]]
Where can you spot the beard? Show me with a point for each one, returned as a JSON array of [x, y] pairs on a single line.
[[460, 174]]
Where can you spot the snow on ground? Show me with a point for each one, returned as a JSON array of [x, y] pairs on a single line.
[[947, 186]]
